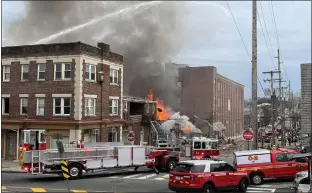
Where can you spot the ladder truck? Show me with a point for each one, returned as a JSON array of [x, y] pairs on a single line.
[[36, 159]]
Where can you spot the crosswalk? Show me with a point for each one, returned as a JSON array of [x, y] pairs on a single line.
[[258, 189], [143, 176]]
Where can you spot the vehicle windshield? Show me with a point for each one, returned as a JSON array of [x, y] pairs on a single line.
[[189, 168]]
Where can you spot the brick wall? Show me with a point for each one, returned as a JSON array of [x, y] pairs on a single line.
[[32, 87], [306, 96]]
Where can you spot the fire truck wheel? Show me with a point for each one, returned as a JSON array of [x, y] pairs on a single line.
[[75, 171], [242, 187], [208, 188], [171, 163], [256, 178]]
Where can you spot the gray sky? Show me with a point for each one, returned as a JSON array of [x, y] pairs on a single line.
[[212, 38]]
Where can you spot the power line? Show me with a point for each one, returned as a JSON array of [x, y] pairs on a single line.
[[276, 33], [266, 43], [266, 27], [243, 42]]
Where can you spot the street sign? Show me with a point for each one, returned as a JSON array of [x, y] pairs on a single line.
[[248, 135], [131, 137]]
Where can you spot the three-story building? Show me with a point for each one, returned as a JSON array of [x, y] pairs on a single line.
[[73, 89]]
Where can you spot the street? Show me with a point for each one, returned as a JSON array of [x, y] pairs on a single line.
[[145, 181]]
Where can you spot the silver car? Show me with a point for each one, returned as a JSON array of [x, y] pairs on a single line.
[[301, 182]]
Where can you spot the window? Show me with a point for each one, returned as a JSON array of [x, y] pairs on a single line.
[[113, 107], [41, 71], [95, 135], [40, 106], [24, 106], [179, 84], [61, 106], [90, 72], [189, 168], [25, 70], [221, 167], [112, 135], [113, 76], [6, 73], [90, 107], [5, 105], [62, 71], [283, 157]]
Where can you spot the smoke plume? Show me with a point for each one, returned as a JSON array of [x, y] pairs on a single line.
[[147, 39]]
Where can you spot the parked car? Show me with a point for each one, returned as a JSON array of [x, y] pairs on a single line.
[[301, 181], [207, 176]]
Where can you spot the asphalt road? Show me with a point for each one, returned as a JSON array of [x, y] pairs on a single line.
[[121, 182]]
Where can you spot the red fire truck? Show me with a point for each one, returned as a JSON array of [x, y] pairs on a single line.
[[36, 159], [202, 147]]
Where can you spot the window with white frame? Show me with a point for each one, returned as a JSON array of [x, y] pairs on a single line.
[[90, 106], [179, 84], [40, 106], [24, 106], [24, 72], [62, 71], [113, 76], [95, 135], [6, 71], [61, 106], [5, 106], [90, 72], [41, 71], [112, 134], [113, 106]]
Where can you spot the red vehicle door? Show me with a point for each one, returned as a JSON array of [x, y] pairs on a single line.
[[220, 175], [284, 166]]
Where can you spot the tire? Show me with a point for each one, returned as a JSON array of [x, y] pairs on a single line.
[[243, 184], [256, 178], [208, 188], [75, 171], [171, 163]]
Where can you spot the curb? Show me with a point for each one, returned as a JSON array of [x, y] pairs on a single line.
[[10, 171]]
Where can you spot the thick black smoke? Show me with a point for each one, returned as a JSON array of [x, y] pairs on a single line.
[[147, 39]]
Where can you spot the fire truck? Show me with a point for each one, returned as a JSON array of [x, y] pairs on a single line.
[[35, 158]]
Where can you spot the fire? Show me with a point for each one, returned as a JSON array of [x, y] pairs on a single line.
[[165, 113]]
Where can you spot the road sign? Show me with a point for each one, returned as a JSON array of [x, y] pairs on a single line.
[[248, 135], [131, 137], [65, 169]]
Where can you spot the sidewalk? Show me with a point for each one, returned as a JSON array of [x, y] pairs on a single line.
[[10, 166]]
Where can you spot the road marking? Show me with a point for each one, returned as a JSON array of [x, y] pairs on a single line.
[[273, 190], [114, 177], [38, 190], [132, 176], [78, 191], [265, 189], [165, 176], [159, 178], [3, 188], [148, 176], [254, 191]]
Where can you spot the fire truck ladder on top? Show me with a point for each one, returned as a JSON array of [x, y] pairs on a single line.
[[161, 136]]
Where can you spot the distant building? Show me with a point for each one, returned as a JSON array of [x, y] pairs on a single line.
[[306, 98], [210, 96], [69, 88]]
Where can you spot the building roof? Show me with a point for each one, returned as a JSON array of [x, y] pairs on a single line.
[[60, 49]]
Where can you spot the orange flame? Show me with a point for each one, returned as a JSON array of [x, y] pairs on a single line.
[[165, 113]]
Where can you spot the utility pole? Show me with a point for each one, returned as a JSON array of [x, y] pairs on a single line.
[[272, 102], [254, 114], [283, 116]]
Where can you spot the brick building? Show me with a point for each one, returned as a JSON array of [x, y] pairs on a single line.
[[212, 97], [306, 98], [69, 88]]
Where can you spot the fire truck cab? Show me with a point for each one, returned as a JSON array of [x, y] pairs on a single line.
[[202, 147], [37, 142]]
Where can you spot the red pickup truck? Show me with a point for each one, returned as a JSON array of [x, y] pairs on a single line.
[[260, 164], [206, 176]]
